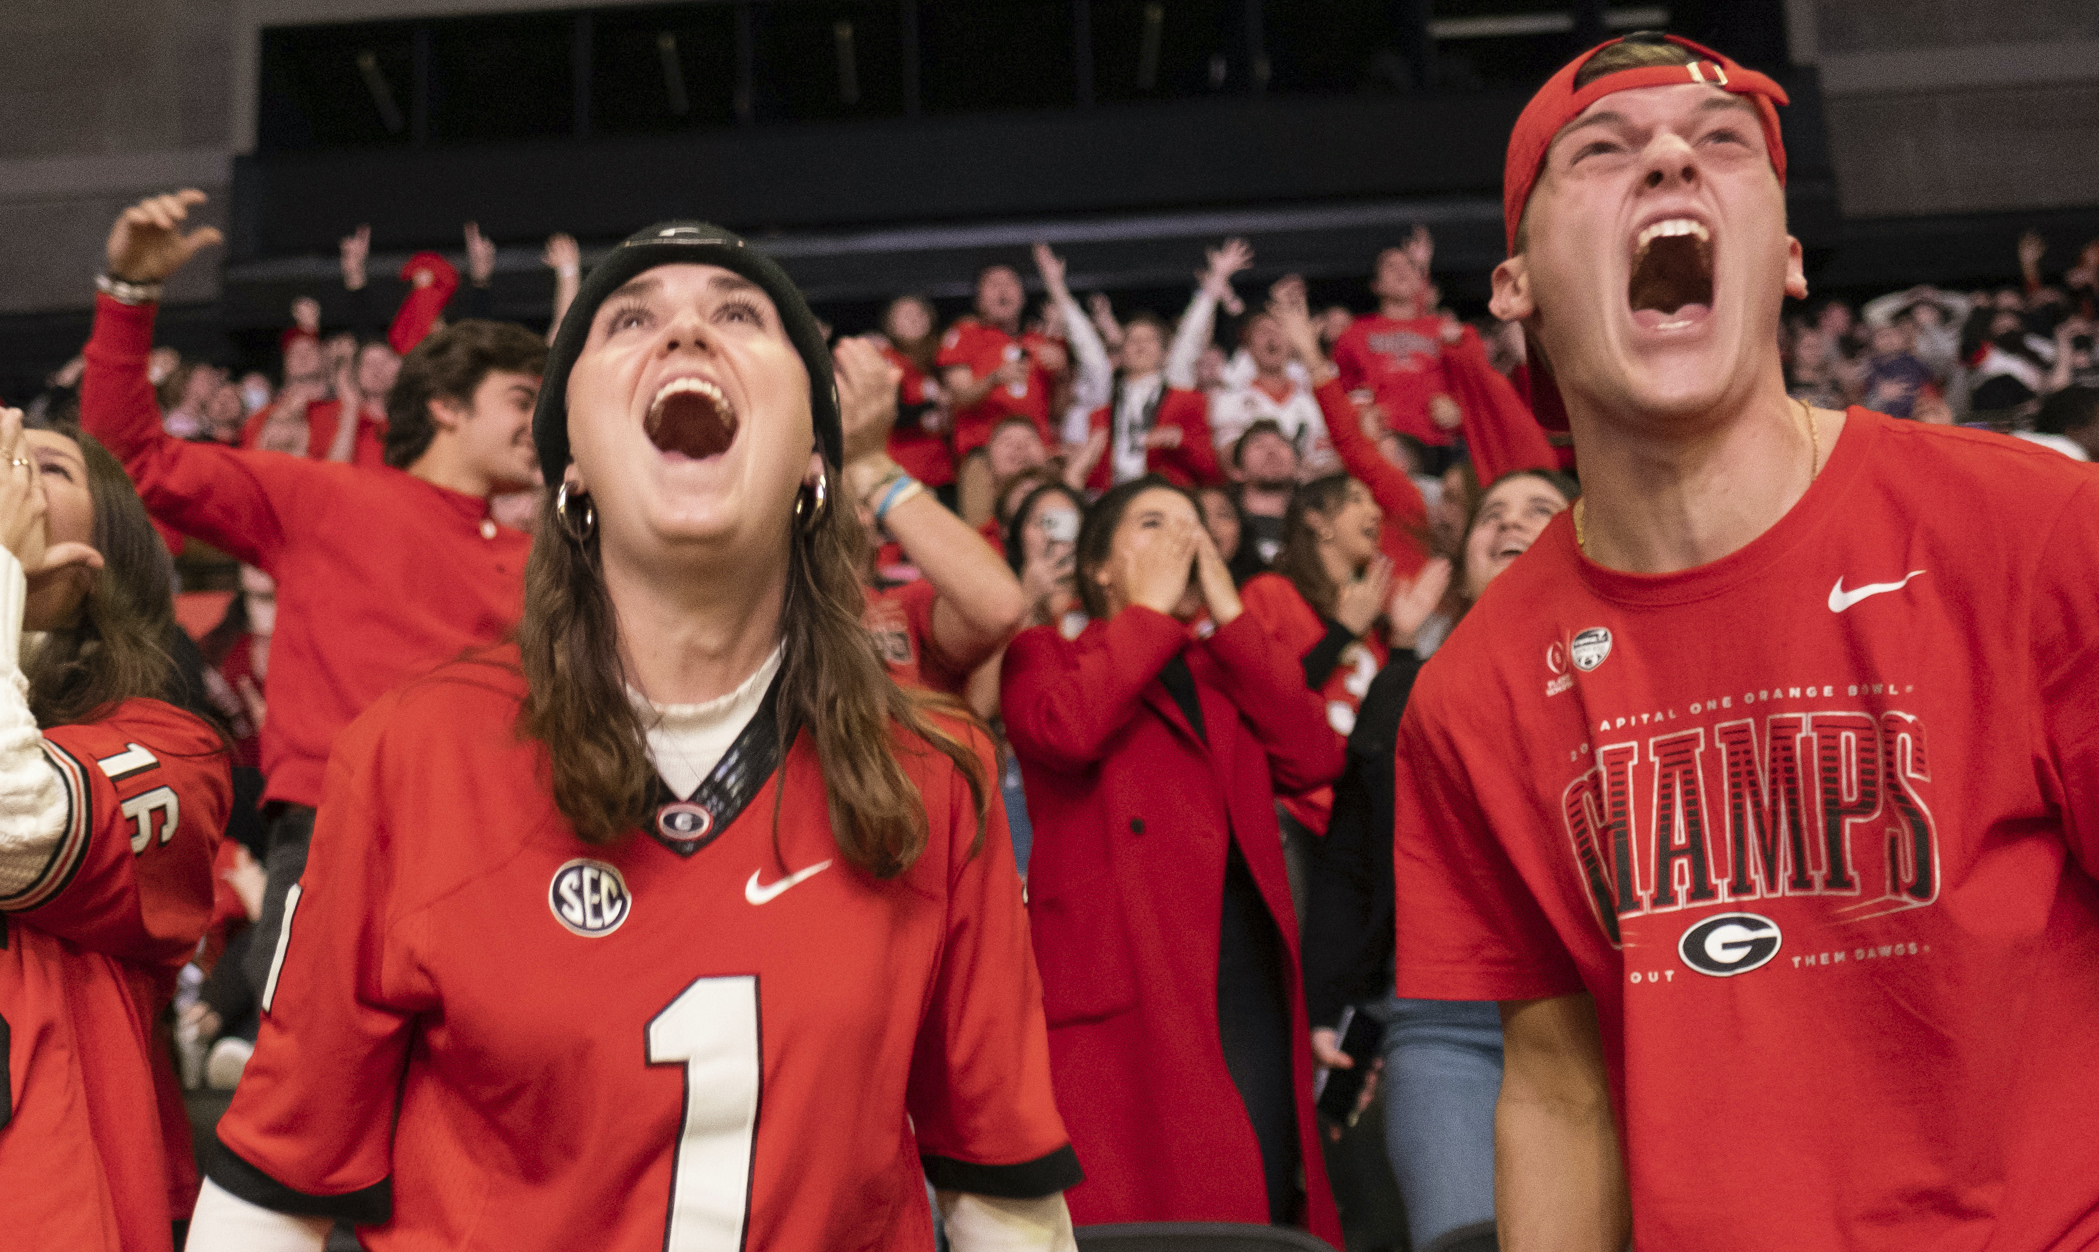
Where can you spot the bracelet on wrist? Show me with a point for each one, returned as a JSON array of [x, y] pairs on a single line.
[[124, 291], [904, 488], [875, 485]]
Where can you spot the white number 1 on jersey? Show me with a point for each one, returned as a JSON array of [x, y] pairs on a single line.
[[712, 1030]]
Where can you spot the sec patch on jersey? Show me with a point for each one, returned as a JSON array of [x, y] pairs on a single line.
[[589, 897]]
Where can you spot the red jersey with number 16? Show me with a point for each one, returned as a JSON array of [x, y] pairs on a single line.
[[88, 954], [1816, 824], [716, 1034]]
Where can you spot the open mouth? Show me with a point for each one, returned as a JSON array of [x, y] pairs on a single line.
[[690, 417], [1672, 278]]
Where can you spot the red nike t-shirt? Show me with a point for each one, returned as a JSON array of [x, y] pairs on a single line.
[[984, 349], [1816, 824], [1401, 361], [94, 1152], [714, 1033]]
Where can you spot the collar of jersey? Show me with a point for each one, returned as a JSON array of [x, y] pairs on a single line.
[[734, 782]]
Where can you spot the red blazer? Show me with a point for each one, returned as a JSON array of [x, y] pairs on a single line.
[[1190, 465], [1132, 813]]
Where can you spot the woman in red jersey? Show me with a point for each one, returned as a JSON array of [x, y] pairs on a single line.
[[110, 807], [679, 925], [1152, 747]]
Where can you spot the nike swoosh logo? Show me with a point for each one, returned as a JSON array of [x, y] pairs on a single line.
[[1840, 599], [765, 895]]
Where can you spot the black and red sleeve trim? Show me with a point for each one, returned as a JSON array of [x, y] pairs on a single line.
[[1029, 1180], [364, 1207], [71, 851]]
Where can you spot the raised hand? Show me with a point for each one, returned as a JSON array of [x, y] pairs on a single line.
[[1420, 248], [562, 255], [22, 527], [1286, 304], [1361, 600], [1415, 599], [1051, 267], [356, 251], [1235, 256], [2031, 249], [147, 243], [480, 256], [1103, 312], [867, 383]]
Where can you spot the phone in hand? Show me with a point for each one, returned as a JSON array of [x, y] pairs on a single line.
[[1336, 1091]]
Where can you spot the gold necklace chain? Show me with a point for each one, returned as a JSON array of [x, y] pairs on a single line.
[[1814, 469]]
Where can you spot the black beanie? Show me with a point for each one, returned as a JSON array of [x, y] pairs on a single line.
[[682, 243]]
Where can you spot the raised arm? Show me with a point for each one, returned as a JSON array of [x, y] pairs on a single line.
[[980, 604], [1559, 1180], [566, 260], [227, 498], [349, 412], [1214, 288], [1500, 432], [1096, 373], [1389, 485]]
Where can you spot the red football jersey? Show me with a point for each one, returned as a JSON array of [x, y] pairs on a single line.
[[88, 954], [716, 1034], [1816, 824], [1401, 361], [1284, 613], [984, 349], [901, 620]]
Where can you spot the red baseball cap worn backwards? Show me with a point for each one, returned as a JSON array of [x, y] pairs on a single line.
[[1559, 102]]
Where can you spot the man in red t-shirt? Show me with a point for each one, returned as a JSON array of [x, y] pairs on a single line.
[[1762, 791], [380, 573], [1397, 352], [989, 368]]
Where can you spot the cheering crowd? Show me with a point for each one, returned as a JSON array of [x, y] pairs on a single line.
[[1129, 609]]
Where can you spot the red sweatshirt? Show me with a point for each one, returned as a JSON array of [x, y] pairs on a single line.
[[380, 575]]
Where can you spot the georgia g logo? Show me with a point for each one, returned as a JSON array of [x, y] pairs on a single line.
[[1729, 944], [590, 898]]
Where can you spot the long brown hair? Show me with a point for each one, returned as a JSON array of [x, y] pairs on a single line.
[[832, 685], [116, 647], [1298, 559]]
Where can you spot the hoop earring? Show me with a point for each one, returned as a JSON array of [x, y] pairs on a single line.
[[579, 529], [806, 513]]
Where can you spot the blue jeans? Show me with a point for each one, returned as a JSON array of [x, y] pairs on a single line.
[[1023, 830], [1442, 1076]]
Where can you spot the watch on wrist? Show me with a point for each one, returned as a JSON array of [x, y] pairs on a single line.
[[124, 291]]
